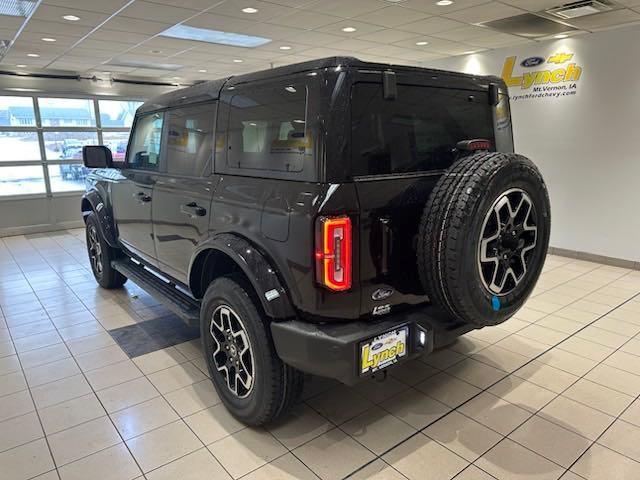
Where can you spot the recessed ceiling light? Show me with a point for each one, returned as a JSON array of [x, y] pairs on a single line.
[[33, 55], [291, 89], [285, 47], [48, 39], [71, 18], [237, 60], [349, 29], [250, 10], [155, 51], [186, 32], [421, 43], [21, 65], [202, 71], [562, 35], [176, 78], [444, 3]]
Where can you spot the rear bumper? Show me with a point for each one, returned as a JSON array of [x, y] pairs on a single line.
[[333, 349]]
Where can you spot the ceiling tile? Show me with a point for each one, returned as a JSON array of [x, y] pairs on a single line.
[[102, 6], [353, 44], [465, 33], [431, 7], [605, 19], [346, 8], [497, 40], [126, 24], [51, 13], [157, 13], [266, 10], [197, 5], [10, 23], [535, 5], [55, 28], [484, 13], [305, 20], [313, 38], [107, 35], [431, 25], [361, 28], [386, 36], [392, 16]]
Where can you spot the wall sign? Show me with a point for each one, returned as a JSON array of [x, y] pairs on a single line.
[[556, 76]]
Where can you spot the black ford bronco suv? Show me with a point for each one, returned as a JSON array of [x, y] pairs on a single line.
[[334, 217]]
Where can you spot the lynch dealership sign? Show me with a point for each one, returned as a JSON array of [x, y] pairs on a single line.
[[555, 76]]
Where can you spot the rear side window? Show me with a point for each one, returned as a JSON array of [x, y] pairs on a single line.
[[146, 141], [267, 130], [189, 140], [415, 132]]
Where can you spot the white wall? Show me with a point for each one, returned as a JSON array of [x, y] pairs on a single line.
[[588, 145]]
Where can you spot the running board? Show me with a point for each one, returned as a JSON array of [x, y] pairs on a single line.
[[166, 293]]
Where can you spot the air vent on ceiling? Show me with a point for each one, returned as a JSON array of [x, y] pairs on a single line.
[[581, 9]]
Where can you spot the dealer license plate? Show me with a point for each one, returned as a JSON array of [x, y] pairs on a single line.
[[384, 350]]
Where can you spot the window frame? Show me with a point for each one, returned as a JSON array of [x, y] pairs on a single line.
[[215, 103], [163, 139], [43, 163], [307, 174]]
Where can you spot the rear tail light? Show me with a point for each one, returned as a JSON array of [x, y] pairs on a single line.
[[333, 252]]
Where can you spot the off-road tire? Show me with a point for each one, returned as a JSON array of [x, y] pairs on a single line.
[[276, 386], [107, 277], [450, 229]]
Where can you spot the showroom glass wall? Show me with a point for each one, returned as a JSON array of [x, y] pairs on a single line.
[[41, 140]]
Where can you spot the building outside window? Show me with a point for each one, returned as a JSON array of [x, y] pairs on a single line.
[[41, 140]]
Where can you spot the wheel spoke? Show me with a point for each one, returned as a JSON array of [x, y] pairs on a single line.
[[232, 354], [509, 232]]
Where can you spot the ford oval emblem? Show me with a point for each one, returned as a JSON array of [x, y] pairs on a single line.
[[532, 62], [382, 293], [376, 346]]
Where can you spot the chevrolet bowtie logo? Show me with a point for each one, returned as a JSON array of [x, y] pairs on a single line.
[[560, 58]]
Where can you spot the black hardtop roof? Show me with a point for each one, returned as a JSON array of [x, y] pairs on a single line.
[[210, 90]]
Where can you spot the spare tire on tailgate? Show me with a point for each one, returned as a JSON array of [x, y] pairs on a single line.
[[483, 237]]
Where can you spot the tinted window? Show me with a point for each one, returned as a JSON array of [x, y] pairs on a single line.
[[267, 130], [189, 140], [146, 140], [417, 131]]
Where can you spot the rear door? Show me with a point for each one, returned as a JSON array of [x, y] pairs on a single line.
[[183, 192], [133, 195], [399, 150]]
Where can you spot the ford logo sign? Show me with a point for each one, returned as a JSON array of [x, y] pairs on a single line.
[[532, 62], [376, 346], [382, 293]]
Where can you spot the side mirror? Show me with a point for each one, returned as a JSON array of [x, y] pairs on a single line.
[[97, 156]]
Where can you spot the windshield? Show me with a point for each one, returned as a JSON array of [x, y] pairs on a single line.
[[417, 131]]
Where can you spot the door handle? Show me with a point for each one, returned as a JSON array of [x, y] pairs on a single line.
[[143, 197], [193, 210]]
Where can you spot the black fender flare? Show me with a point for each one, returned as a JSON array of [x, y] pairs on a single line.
[[261, 274], [104, 214]]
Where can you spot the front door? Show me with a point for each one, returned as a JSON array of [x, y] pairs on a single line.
[[133, 195], [182, 195]]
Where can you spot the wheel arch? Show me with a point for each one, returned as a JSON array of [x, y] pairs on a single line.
[[227, 254], [92, 202]]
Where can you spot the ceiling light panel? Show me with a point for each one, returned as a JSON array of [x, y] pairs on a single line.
[[186, 32], [17, 8]]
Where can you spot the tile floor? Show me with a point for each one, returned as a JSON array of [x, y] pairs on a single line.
[[552, 393]]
